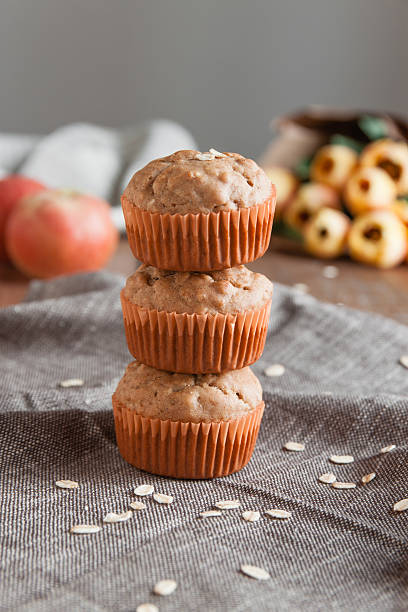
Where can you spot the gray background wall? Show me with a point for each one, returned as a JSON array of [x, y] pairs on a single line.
[[223, 68]]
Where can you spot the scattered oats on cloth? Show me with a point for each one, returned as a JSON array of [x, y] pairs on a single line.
[[368, 477], [255, 572], [401, 505], [343, 485], [278, 513], [84, 529], [67, 484], [227, 504], [327, 478], [276, 369], [144, 489], [48, 433], [341, 459], [387, 449], [251, 516], [161, 498], [165, 587], [137, 505], [296, 447], [147, 607], [210, 513], [72, 382], [113, 517]]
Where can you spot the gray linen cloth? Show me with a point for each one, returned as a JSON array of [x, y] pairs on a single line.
[[343, 391]]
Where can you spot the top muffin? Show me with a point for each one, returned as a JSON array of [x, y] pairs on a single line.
[[192, 182]]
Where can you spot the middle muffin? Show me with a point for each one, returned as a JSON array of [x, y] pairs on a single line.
[[194, 322]]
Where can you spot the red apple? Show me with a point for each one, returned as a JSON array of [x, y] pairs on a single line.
[[60, 232], [12, 189]]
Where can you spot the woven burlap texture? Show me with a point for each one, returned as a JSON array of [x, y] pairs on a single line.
[[343, 391]]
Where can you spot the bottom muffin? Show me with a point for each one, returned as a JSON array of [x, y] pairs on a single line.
[[187, 425]]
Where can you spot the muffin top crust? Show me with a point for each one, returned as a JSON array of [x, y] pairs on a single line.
[[188, 397], [224, 291], [193, 182]]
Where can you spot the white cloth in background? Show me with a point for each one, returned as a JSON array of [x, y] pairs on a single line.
[[90, 158]]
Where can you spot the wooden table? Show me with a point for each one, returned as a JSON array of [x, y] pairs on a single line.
[[381, 291]]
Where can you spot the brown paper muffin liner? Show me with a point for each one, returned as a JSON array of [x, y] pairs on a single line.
[[195, 343], [185, 449], [199, 242]]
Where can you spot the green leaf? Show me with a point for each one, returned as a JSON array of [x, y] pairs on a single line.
[[339, 139], [373, 127], [287, 231], [302, 169], [404, 197]]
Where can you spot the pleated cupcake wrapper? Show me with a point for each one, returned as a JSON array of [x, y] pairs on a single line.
[[199, 242], [185, 449], [195, 343]]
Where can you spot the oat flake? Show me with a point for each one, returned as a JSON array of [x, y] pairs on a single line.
[[209, 513], [84, 529], [143, 490], [72, 382], [255, 572], [205, 156], [163, 499], [328, 478], [136, 505], [279, 514], [227, 504], [388, 449], [330, 272], [251, 516], [165, 587], [404, 361], [401, 505], [294, 446], [302, 287], [274, 370], [113, 517], [66, 484], [342, 459], [344, 485], [147, 607], [216, 153], [368, 477]]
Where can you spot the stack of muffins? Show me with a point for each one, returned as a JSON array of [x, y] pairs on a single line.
[[195, 317]]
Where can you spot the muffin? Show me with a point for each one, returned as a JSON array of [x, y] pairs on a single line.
[[199, 211], [193, 322], [184, 425]]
